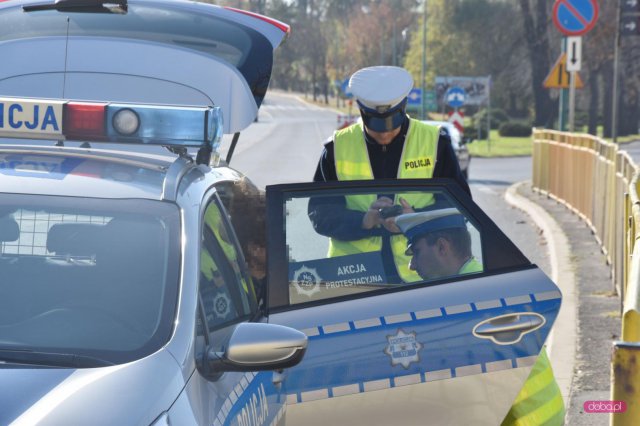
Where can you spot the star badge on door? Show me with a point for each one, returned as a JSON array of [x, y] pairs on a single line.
[[403, 348]]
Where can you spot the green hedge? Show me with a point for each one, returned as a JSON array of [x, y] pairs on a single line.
[[515, 128], [498, 116], [472, 132]]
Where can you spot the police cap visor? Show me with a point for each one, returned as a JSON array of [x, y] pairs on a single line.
[[383, 121]]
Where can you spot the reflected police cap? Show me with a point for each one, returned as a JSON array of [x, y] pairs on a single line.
[[414, 225]]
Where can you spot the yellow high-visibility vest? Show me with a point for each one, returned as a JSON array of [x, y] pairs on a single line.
[[208, 267], [472, 266], [540, 401], [352, 163]]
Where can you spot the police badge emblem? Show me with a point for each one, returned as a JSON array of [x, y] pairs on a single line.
[[221, 305], [306, 281], [403, 348]]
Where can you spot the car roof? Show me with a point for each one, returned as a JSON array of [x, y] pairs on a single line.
[[159, 52], [80, 172]]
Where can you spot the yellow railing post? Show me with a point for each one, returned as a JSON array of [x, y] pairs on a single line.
[[625, 386], [600, 182]]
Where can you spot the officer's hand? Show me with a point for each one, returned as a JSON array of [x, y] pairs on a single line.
[[406, 208], [390, 223], [372, 217]]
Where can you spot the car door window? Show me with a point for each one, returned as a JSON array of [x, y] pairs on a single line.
[[391, 343], [226, 293], [425, 236]]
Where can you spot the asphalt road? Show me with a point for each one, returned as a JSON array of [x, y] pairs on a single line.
[[284, 145]]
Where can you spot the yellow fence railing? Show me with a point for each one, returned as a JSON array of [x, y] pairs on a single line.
[[599, 182]]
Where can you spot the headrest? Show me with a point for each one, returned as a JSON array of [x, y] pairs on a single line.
[[9, 229], [80, 239]]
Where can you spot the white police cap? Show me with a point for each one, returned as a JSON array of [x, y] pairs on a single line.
[[414, 225], [381, 87]]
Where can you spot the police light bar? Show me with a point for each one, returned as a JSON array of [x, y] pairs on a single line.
[[174, 126]]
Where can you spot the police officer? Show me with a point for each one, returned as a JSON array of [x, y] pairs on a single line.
[[378, 140], [439, 243], [384, 144]]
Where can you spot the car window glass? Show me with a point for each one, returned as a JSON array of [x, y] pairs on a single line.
[[226, 293], [246, 206], [88, 276], [330, 255]]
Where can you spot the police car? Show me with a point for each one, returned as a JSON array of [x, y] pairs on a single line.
[[126, 296]]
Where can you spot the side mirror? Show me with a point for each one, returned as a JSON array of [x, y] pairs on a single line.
[[466, 140], [258, 347]]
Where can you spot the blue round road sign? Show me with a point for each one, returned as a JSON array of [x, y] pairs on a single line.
[[455, 97], [345, 88], [575, 17]]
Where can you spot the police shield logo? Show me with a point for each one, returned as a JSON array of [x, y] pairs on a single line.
[[221, 305], [306, 281], [403, 348]]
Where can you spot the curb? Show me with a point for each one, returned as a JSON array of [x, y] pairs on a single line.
[[562, 354]]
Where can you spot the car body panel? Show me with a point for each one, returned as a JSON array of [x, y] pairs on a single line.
[[55, 171], [235, 398], [349, 344], [144, 72], [37, 68], [133, 393], [412, 345], [148, 67], [245, 399], [58, 395]]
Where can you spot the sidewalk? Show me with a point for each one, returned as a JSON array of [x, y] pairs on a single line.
[[596, 310]]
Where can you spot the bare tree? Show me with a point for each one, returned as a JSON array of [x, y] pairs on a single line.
[[538, 45]]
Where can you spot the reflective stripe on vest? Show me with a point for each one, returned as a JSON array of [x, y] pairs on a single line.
[[352, 163], [540, 401]]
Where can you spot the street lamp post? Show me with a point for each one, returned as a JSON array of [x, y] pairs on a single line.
[[423, 68]]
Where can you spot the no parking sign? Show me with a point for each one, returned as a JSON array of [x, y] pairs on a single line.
[[575, 17]]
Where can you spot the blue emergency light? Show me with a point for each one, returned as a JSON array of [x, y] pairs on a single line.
[[170, 126]]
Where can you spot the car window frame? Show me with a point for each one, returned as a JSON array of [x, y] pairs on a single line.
[[210, 197], [508, 258]]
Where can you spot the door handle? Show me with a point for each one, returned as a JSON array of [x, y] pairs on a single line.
[[508, 329]]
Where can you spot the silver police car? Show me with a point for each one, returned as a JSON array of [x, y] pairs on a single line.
[[134, 288]]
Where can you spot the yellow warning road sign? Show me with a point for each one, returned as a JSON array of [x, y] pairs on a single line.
[[558, 78]]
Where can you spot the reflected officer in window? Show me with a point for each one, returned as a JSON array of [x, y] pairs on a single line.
[[439, 243]]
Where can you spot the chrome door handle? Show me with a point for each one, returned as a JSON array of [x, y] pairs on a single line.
[[508, 329]]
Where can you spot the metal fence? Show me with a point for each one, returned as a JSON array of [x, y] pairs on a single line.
[[599, 182]]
